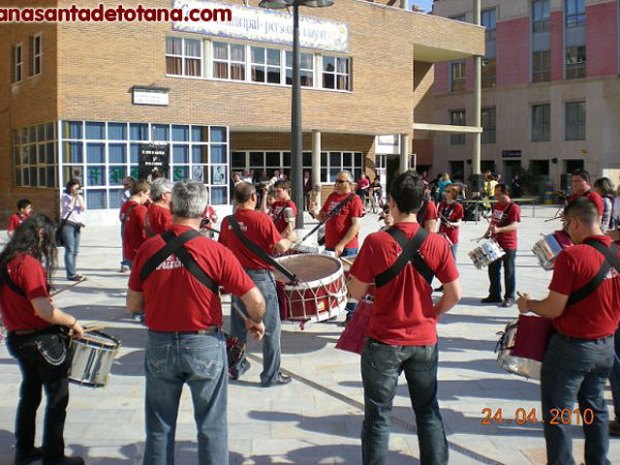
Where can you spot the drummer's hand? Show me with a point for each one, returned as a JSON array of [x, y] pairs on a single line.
[[76, 331], [522, 302], [256, 330], [339, 249]]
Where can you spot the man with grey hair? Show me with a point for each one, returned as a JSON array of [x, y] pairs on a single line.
[[175, 281], [158, 218]]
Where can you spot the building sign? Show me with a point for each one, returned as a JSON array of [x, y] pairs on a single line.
[[262, 25], [150, 96], [153, 161], [387, 144], [511, 153]]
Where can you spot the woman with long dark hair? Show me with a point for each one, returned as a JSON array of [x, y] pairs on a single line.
[[72, 204], [37, 338]]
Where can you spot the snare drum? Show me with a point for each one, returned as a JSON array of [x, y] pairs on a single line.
[[486, 253], [93, 355], [522, 345], [298, 249], [549, 247], [320, 293]]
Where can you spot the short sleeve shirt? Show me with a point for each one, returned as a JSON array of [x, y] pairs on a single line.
[[133, 234], [430, 213], [505, 214], [598, 314], [17, 311], [174, 300], [259, 228], [338, 225], [159, 220], [15, 220], [402, 312], [453, 213], [279, 213]]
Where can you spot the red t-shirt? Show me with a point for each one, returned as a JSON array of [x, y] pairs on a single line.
[[507, 241], [158, 220], [598, 314], [133, 234], [17, 311], [125, 208], [259, 228], [338, 225], [363, 183], [402, 312], [429, 214], [15, 220], [279, 216], [453, 213], [176, 301], [594, 197]]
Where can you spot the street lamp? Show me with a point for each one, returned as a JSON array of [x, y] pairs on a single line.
[[297, 178]]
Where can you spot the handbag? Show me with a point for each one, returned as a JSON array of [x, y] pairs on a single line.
[[58, 233]]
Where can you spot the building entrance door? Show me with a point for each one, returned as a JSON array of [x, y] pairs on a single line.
[[510, 168]]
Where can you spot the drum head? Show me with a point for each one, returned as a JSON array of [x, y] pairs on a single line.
[[98, 339], [309, 267]]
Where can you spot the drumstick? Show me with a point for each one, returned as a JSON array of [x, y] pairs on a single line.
[[557, 217], [348, 262], [90, 329], [66, 288], [477, 239]]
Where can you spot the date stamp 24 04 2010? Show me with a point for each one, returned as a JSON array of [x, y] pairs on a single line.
[[523, 416]]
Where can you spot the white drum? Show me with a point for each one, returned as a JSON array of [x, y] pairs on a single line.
[[486, 253], [549, 247], [93, 355]]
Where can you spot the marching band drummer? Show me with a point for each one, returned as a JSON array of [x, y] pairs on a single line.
[[580, 185], [427, 214], [403, 323], [583, 303], [36, 339], [450, 214], [505, 220], [283, 211], [260, 230]]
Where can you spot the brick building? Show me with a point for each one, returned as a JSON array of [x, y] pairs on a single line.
[[89, 99], [550, 100]]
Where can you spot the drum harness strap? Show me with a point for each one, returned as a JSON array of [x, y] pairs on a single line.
[[12, 285], [611, 259], [333, 212], [504, 219], [256, 250], [422, 212], [410, 253], [174, 245]]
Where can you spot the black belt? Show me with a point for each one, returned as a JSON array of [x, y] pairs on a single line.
[[582, 339], [202, 332], [377, 341], [29, 332]]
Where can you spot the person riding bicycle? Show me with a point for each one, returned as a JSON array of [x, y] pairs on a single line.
[[376, 191]]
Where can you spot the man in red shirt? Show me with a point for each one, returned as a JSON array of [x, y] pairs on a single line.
[[185, 342], [133, 214], [158, 218], [259, 229], [283, 211], [402, 332], [138, 195], [427, 214], [505, 220], [37, 340], [580, 351], [580, 185], [24, 209]]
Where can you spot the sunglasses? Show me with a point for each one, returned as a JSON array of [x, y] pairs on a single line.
[[341, 181]]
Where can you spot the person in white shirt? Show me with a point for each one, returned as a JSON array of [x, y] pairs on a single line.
[[72, 220]]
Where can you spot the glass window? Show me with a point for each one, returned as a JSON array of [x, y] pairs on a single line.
[[229, 61], [218, 154], [200, 154], [95, 176], [116, 174], [36, 54], [180, 154], [541, 15], [95, 153], [180, 133], [161, 132], [457, 76], [117, 131], [139, 131], [541, 122], [575, 13], [489, 67], [576, 62], [218, 195], [95, 130], [575, 121], [17, 63], [114, 198], [118, 153], [457, 118], [72, 152], [183, 57], [72, 129], [306, 69], [265, 65], [200, 134], [488, 20], [180, 173], [134, 154], [96, 199], [336, 73], [488, 117], [218, 134], [541, 66]]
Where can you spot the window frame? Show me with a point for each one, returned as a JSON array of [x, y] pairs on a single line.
[[541, 23], [490, 33], [461, 120], [578, 68], [574, 13], [17, 65], [489, 133], [541, 73], [578, 125], [184, 57], [336, 74], [36, 59], [457, 84], [540, 122]]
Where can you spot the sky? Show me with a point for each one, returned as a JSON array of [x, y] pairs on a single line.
[[425, 4]]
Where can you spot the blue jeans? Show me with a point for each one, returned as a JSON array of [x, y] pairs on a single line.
[[175, 359], [495, 289], [382, 364], [71, 240], [576, 369], [350, 308], [271, 341], [614, 377], [454, 248]]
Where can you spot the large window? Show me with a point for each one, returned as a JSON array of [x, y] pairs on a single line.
[[488, 117], [183, 57], [229, 61], [575, 12], [575, 121], [36, 54], [541, 122], [34, 156], [457, 76], [488, 19], [457, 118], [306, 69], [541, 16], [336, 73], [265, 65], [17, 63], [541, 66], [576, 62]]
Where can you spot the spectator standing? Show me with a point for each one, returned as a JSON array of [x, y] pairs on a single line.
[[158, 217], [605, 188], [515, 186], [72, 212], [24, 210]]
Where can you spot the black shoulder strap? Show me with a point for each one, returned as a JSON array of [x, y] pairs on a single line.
[[12, 285], [422, 212], [256, 250], [334, 211], [504, 218], [409, 254], [611, 259]]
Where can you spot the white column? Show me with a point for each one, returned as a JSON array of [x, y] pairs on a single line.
[[404, 152]]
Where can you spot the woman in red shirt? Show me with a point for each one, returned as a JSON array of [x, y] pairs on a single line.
[[37, 339], [450, 213]]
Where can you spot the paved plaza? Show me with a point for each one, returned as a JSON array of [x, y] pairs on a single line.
[[317, 418]]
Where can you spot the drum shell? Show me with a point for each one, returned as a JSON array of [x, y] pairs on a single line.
[[486, 253], [92, 359], [549, 247]]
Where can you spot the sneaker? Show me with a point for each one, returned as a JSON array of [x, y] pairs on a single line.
[[234, 373], [507, 303], [491, 300], [76, 277], [438, 289], [64, 461], [124, 269], [139, 317], [614, 428], [25, 458], [281, 378]]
